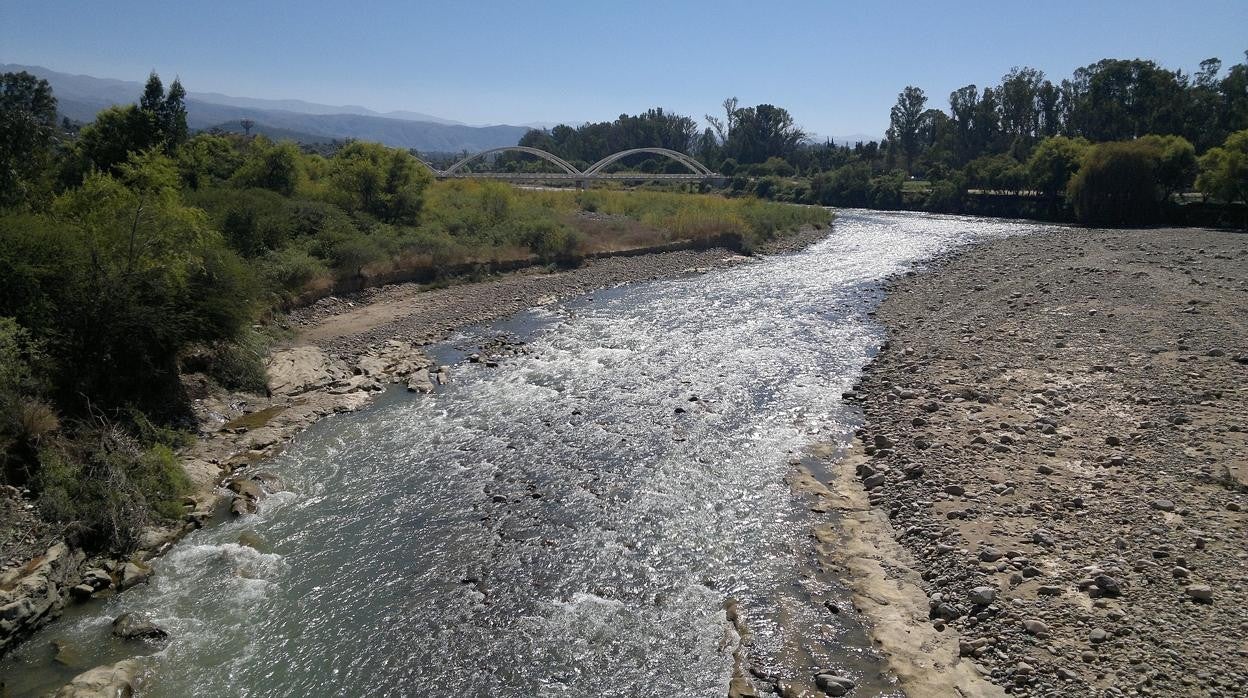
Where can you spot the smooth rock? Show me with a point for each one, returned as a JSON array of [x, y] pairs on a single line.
[[1036, 627], [1200, 592], [1162, 504], [982, 596], [108, 681], [132, 626], [834, 685]]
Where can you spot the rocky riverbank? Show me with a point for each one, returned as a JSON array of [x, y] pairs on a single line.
[[1054, 464]]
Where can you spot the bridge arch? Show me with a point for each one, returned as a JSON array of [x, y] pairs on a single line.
[[549, 157], [686, 160], [429, 167]]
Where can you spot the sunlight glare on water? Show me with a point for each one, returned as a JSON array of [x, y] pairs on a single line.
[[638, 453]]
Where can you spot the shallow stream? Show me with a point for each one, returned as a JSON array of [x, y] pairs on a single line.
[[570, 523]]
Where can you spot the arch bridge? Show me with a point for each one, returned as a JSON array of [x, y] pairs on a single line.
[[597, 171]]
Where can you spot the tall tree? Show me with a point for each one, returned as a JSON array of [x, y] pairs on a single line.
[[173, 116], [1020, 118], [962, 105], [27, 127], [904, 121], [762, 132], [153, 94]]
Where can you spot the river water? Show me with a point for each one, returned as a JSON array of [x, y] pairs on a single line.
[[571, 523]]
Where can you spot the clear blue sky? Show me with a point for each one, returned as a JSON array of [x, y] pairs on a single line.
[[836, 66]]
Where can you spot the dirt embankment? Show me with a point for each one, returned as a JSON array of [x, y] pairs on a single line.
[[1057, 430]]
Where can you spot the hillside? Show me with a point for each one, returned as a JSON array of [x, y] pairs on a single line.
[[80, 97]]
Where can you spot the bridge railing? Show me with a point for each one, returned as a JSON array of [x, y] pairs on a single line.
[[697, 171]]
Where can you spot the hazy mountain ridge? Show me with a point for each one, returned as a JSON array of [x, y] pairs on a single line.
[[80, 97]]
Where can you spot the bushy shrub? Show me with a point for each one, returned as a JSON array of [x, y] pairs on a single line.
[[388, 183], [277, 167], [105, 487], [945, 196], [886, 190], [289, 271], [239, 365], [1117, 185]]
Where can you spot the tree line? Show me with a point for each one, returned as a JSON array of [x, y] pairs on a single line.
[[1141, 134]]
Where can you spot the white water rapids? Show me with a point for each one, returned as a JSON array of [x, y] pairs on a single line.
[[639, 451]]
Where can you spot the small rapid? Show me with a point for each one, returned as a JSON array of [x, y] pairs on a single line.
[[571, 523]]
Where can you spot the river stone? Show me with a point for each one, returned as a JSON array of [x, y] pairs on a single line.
[[1200, 592], [1036, 627], [134, 573], [982, 596], [108, 681], [419, 382], [1108, 585], [834, 685], [990, 555], [132, 626]]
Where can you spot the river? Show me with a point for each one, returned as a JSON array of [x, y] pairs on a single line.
[[570, 523]]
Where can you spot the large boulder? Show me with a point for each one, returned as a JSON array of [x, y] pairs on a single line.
[[133, 573], [132, 626], [108, 681], [34, 594]]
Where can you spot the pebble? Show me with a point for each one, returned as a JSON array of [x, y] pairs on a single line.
[[982, 596], [833, 684], [1200, 592], [990, 555], [1108, 585], [1036, 627]]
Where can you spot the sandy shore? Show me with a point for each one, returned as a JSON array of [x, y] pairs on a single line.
[[1054, 461]]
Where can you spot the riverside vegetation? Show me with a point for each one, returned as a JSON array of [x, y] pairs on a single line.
[[131, 249]]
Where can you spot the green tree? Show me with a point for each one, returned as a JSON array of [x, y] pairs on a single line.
[[1176, 163], [904, 122], [117, 281], [1053, 162], [1224, 170], [116, 132], [277, 167], [159, 120], [208, 159], [996, 173], [172, 117], [1020, 117], [388, 183], [27, 130], [761, 132], [1117, 184], [963, 103]]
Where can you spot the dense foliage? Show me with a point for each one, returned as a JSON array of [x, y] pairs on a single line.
[[132, 248], [1008, 149]]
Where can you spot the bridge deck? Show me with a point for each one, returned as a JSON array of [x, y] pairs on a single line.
[[565, 177]]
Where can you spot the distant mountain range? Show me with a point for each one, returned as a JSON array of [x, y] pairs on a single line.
[[80, 97]]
